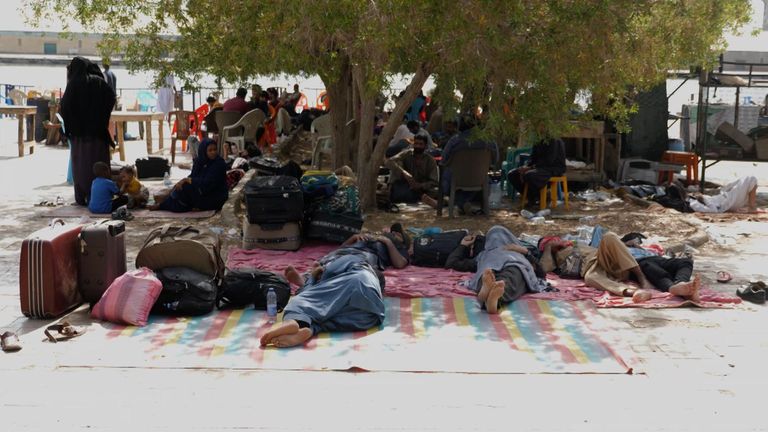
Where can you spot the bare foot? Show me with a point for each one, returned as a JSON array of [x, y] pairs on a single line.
[[492, 303], [293, 276], [642, 295], [488, 282], [285, 341], [153, 207], [287, 328], [689, 290], [428, 200]]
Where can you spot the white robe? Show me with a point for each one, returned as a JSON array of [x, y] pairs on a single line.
[[732, 197], [165, 95]]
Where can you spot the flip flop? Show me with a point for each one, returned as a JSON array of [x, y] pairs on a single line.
[[66, 331], [724, 276], [9, 342]]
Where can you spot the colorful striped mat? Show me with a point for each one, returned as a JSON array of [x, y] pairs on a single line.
[[419, 334]]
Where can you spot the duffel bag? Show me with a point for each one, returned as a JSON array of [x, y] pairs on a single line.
[[319, 184], [333, 227], [345, 200], [152, 167], [242, 288], [432, 250], [173, 246], [185, 292]]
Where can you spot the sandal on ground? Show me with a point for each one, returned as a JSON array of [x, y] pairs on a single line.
[[65, 331], [724, 276], [751, 293], [9, 342]]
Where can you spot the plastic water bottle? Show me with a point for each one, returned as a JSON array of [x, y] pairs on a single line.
[[526, 214], [271, 306], [494, 198], [543, 213], [167, 180]]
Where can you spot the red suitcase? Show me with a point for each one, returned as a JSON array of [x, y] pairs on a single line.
[[102, 258], [48, 271]]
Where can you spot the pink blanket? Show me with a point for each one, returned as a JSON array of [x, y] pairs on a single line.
[[409, 282], [415, 281]]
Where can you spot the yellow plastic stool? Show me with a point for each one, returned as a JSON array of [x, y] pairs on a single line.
[[553, 182]]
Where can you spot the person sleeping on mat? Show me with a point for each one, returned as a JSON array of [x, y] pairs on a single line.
[[343, 291]]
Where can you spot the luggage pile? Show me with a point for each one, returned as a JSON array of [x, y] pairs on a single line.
[[64, 264], [280, 209], [333, 211], [274, 212]]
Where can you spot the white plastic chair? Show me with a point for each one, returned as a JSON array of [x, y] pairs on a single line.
[[321, 130], [247, 127], [283, 122]]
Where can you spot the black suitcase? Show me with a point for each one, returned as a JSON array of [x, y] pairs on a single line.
[[102, 258], [152, 167], [269, 166], [432, 250], [242, 288], [274, 199], [333, 227]]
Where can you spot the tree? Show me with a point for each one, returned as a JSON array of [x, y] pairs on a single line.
[[522, 61]]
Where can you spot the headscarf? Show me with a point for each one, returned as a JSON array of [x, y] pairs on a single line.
[[88, 100], [201, 162]]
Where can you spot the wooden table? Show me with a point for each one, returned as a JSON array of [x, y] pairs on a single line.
[[593, 130], [21, 112], [119, 117]]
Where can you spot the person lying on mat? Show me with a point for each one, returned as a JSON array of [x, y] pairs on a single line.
[[343, 293], [390, 249], [502, 271], [205, 188], [611, 265], [671, 275]]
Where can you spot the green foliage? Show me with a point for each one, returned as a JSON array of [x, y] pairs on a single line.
[[523, 61]]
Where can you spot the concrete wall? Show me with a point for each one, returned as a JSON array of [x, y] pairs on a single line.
[[34, 43]]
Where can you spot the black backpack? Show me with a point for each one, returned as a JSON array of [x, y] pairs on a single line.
[[432, 250], [185, 292], [242, 288]]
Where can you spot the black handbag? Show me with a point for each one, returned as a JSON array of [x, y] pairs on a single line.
[[242, 288], [185, 292]]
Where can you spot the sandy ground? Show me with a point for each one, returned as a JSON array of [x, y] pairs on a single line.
[[700, 369]]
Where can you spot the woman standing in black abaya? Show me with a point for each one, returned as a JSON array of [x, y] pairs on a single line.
[[86, 108]]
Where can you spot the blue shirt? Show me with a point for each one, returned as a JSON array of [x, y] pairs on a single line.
[[102, 191]]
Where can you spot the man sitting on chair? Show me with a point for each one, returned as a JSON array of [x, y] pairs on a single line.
[[547, 161], [414, 173]]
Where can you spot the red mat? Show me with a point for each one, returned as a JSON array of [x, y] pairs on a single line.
[[576, 289], [414, 282], [409, 282]]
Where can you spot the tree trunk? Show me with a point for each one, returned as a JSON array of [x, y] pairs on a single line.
[[370, 159], [339, 96]]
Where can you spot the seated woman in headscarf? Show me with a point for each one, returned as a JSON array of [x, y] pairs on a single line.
[[205, 188]]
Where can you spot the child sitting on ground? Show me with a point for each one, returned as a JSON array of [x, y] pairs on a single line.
[[105, 196], [137, 194]]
